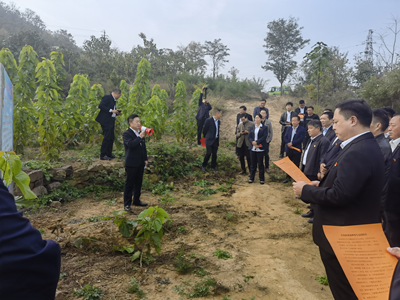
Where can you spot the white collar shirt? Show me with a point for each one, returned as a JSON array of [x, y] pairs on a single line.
[[137, 133], [216, 126], [256, 130], [394, 144], [113, 114], [294, 130], [348, 141], [308, 148], [288, 114]]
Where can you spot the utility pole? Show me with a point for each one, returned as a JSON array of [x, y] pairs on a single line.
[[369, 50]]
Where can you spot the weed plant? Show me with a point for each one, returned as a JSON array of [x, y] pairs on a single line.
[[89, 293]]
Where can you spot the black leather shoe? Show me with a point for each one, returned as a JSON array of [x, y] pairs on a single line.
[[214, 170], [140, 204], [310, 220], [203, 169], [285, 181], [105, 157], [127, 208], [112, 156], [310, 214]]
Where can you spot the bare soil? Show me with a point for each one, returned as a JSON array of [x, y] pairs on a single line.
[[255, 223]]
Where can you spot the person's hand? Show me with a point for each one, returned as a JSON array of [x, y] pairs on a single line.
[[323, 169], [320, 176], [242, 132], [115, 111], [287, 123], [394, 251], [246, 132], [146, 163], [298, 187], [142, 134], [314, 183], [290, 145], [254, 143]]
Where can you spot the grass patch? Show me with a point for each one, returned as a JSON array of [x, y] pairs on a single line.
[[322, 280], [221, 254]]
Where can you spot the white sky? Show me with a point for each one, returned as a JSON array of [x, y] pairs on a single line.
[[242, 25]]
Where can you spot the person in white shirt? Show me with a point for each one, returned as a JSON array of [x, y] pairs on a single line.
[[257, 137], [286, 122]]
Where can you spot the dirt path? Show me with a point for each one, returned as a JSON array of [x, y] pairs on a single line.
[[256, 225]]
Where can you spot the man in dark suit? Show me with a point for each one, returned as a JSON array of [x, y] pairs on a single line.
[[202, 114], [243, 111], [293, 139], [392, 210], [106, 118], [301, 111], [29, 265], [390, 112], [257, 109], [395, 285], [309, 116], [285, 121], [314, 151], [379, 124], [135, 162], [327, 120], [349, 194], [211, 133]]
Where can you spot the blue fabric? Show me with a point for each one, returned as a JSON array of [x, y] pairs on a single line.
[[29, 265], [297, 139]]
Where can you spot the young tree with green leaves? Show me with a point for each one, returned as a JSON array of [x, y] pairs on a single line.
[[24, 91], [140, 90], [48, 107], [192, 124], [282, 43], [9, 62], [179, 121]]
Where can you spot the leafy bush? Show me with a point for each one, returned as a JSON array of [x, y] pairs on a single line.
[[39, 165]]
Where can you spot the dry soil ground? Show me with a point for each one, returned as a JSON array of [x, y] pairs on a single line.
[[256, 225]]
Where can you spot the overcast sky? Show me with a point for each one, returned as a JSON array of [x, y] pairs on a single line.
[[242, 25]]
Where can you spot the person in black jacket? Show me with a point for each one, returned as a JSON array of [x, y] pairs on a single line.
[[392, 210], [313, 152], [258, 142], [301, 111], [211, 133], [379, 124], [106, 118], [390, 112], [286, 122], [329, 157], [29, 265], [327, 120], [135, 162], [243, 111], [349, 194], [202, 114], [309, 116]]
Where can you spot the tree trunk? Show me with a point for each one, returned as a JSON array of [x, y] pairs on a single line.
[[282, 88]]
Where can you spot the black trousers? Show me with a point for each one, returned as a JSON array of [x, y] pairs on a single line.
[[244, 152], [266, 155], [338, 283], [108, 140], [133, 184], [257, 158], [392, 228], [295, 157], [213, 149], [283, 144], [200, 125]]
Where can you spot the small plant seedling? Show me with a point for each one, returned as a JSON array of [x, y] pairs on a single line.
[[202, 289], [207, 191], [227, 298], [222, 189], [298, 211], [166, 199], [135, 288], [182, 265], [63, 275], [41, 231], [95, 219], [201, 272], [181, 229], [247, 278], [89, 293], [110, 202], [322, 280], [203, 183], [221, 254], [229, 217]]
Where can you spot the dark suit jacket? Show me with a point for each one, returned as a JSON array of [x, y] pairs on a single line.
[[387, 154], [282, 120], [204, 109], [330, 134], [329, 157], [261, 138], [393, 188], [135, 149], [395, 286], [308, 118], [29, 265], [297, 139], [209, 131], [349, 194], [257, 110], [249, 117], [297, 111], [105, 116], [317, 149]]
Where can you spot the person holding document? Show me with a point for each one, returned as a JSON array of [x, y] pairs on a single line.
[[349, 193]]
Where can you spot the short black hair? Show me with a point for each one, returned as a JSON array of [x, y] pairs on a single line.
[[301, 102], [131, 117], [389, 111], [263, 100], [358, 108], [216, 110], [243, 107], [315, 124], [329, 114], [116, 91], [289, 103], [312, 107], [258, 115], [379, 115], [328, 109], [298, 118], [243, 116]]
